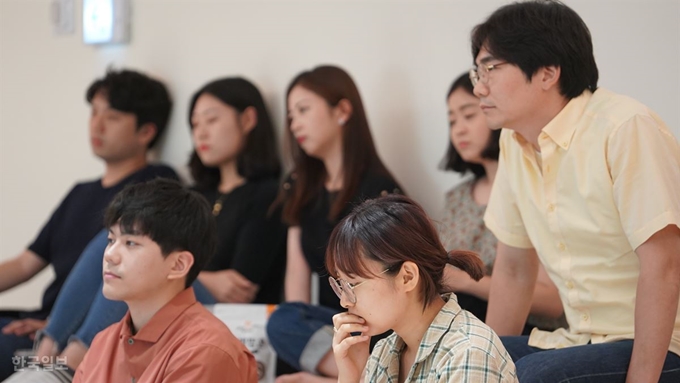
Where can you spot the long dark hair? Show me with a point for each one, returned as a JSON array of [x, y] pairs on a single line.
[[452, 160], [392, 230], [259, 157], [358, 151]]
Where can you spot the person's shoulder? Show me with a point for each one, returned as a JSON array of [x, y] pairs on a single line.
[[265, 188], [202, 327], [375, 184], [156, 170], [615, 109], [456, 192]]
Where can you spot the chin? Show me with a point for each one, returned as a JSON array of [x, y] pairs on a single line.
[[111, 294]]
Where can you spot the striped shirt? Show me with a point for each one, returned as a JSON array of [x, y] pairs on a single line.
[[457, 347]]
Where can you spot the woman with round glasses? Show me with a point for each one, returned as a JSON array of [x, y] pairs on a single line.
[[387, 264]]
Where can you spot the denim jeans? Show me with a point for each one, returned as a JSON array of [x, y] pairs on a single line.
[[8, 345], [301, 334], [81, 310], [591, 363]]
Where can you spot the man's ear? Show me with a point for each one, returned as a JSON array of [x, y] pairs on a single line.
[[248, 119], [146, 133], [549, 77], [181, 264], [408, 276]]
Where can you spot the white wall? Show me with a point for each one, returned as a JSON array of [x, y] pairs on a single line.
[[402, 54]]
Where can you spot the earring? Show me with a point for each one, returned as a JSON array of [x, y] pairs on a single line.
[[341, 121]]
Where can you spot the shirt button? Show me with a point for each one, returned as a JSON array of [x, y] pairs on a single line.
[[384, 193], [547, 168], [570, 285], [561, 246], [551, 207], [585, 317], [131, 341]]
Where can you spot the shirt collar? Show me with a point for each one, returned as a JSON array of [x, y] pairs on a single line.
[[562, 127], [160, 322], [439, 327]]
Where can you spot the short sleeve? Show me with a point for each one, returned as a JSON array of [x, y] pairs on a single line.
[[474, 365], [502, 214], [644, 163]]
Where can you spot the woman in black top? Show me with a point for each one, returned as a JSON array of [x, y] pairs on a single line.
[[336, 167], [236, 167]]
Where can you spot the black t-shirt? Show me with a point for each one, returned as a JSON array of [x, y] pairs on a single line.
[[79, 217], [252, 240], [316, 228]]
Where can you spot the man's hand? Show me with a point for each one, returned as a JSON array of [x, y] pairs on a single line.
[[23, 327]]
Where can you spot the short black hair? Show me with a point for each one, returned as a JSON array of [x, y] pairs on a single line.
[[259, 157], [136, 93], [452, 160], [176, 218], [540, 33]]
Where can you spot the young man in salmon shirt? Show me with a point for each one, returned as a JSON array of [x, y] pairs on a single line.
[[160, 236]]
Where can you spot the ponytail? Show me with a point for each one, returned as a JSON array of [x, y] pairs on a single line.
[[467, 261]]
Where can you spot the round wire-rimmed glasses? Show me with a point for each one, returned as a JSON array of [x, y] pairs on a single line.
[[341, 286]]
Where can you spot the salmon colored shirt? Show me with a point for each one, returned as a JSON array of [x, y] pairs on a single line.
[[183, 342], [608, 178]]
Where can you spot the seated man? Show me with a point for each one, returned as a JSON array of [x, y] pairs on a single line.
[[160, 236], [588, 184], [129, 113]]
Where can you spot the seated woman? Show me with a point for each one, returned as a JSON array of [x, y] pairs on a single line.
[[336, 167], [387, 264], [473, 148], [236, 167]]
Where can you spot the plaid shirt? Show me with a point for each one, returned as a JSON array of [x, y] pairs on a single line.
[[457, 347]]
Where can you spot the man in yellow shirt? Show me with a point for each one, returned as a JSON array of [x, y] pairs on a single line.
[[589, 185]]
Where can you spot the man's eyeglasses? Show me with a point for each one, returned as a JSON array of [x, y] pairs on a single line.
[[481, 73], [341, 286]]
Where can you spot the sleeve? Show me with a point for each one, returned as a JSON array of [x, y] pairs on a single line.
[[502, 214], [644, 163], [207, 363], [41, 245], [262, 239], [473, 365]]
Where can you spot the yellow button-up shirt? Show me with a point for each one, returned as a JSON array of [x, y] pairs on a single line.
[[608, 178]]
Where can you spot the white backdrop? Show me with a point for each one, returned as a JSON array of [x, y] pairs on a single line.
[[402, 54]]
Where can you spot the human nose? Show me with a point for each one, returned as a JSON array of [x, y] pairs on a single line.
[[480, 89], [96, 123], [111, 253]]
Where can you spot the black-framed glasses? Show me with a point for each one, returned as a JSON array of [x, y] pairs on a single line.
[[341, 286], [481, 73]]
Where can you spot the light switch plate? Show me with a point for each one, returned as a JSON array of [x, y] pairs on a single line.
[[62, 15]]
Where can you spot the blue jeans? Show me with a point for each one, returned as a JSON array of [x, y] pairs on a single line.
[[591, 363], [301, 334], [8, 345], [81, 310]]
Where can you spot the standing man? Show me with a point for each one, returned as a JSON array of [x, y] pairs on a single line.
[[589, 186], [129, 113]]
